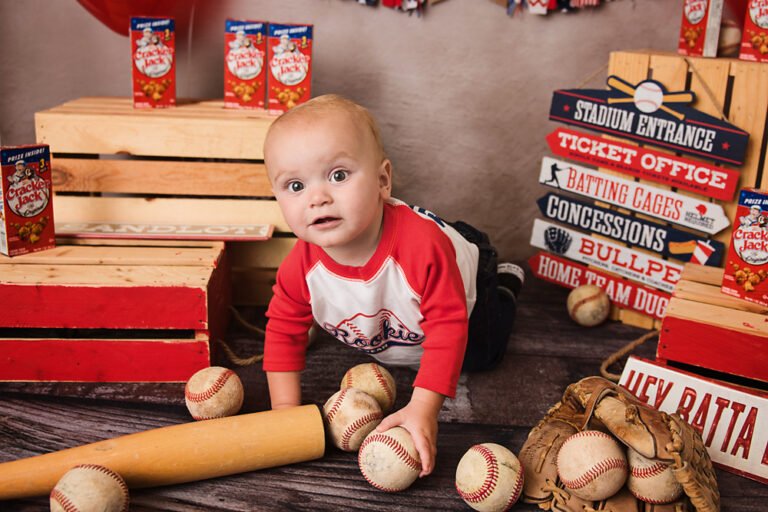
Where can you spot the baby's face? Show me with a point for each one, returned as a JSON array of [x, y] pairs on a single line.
[[329, 180]]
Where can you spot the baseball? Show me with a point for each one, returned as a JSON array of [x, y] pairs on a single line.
[[648, 97], [90, 488], [588, 305], [350, 415], [389, 460], [592, 465], [651, 481], [213, 392], [374, 380], [489, 478]]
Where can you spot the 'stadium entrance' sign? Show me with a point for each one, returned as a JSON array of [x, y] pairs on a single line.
[[608, 256], [623, 293], [666, 241], [647, 113], [645, 163], [669, 206]]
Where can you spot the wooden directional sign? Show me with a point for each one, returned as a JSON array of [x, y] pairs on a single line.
[[669, 206], [645, 163], [647, 113], [228, 232], [668, 242], [623, 293], [608, 256]]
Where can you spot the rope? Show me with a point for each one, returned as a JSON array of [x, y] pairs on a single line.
[[592, 76], [707, 90], [235, 359], [245, 323], [626, 349]]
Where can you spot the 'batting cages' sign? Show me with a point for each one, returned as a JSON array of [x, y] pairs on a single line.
[[647, 113]]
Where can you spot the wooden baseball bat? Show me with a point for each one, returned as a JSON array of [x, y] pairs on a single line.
[[180, 453]]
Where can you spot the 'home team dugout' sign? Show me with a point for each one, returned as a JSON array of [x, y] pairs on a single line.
[[608, 256], [636, 232], [683, 210], [644, 163], [645, 112], [623, 293]]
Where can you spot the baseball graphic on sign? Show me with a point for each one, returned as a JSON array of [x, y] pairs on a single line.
[[648, 97], [588, 305]]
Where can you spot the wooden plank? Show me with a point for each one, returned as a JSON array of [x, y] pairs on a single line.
[[106, 275], [168, 210], [160, 177], [714, 347], [708, 294], [103, 307], [702, 274], [189, 130], [102, 360], [119, 255], [746, 322]]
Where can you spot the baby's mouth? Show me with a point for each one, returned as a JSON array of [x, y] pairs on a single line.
[[323, 220]]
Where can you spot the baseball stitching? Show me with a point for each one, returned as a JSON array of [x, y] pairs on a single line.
[[212, 390], [383, 382], [336, 405], [517, 490], [357, 425], [60, 498], [396, 447], [648, 471], [595, 471], [584, 301], [491, 477]]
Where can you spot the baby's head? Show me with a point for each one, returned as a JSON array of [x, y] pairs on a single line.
[[328, 171]]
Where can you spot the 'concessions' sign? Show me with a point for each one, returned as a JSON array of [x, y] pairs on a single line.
[[647, 113], [640, 233], [662, 204], [644, 163], [623, 293], [732, 421], [608, 256]]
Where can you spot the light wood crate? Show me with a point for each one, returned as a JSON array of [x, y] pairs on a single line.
[[112, 313], [737, 87], [197, 163]]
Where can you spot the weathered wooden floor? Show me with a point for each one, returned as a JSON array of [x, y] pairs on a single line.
[[546, 353]]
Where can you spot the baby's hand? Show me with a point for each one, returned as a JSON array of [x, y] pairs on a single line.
[[419, 418]]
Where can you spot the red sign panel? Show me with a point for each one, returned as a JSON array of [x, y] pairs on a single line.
[[644, 163]]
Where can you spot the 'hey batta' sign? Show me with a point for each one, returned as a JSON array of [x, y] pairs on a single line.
[[647, 113]]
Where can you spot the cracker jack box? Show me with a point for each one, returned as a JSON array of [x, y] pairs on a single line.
[[245, 55], [289, 52], [700, 28], [746, 266], [153, 53], [26, 206], [754, 36]]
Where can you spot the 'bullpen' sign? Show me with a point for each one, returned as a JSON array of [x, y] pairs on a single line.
[[645, 163], [662, 204], [647, 113], [640, 233], [623, 293], [608, 256]]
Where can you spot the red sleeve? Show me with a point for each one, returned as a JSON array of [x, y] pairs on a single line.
[[445, 324], [289, 314]]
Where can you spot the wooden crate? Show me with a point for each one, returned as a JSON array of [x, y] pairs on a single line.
[[740, 88], [194, 164], [705, 328], [112, 313]]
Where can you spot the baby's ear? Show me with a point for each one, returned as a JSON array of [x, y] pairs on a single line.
[[385, 179]]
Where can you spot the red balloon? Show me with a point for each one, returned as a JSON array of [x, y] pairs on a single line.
[[116, 14]]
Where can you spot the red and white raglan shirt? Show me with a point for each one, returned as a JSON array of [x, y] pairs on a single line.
[[408, 306]]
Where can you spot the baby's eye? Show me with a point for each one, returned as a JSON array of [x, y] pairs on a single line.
[[339, 176], [295, 186]]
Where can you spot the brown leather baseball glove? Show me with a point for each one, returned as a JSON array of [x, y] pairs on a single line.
[[598, 404]]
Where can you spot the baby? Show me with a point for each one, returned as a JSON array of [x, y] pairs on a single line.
[[394, 281]]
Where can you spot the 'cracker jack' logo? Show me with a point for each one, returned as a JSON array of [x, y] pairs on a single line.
[[374, 333]]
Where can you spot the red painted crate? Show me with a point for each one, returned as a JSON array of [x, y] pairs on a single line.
[[705, 328], [112, 313]]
